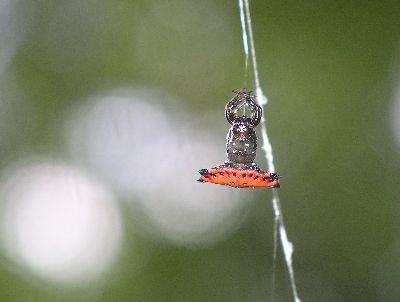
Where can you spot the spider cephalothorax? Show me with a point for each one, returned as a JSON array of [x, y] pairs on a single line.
[[240, 170]]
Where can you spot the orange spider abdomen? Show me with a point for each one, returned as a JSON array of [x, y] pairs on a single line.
[[239, 178]]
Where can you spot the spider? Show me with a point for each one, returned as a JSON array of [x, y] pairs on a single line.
[[240, 170]]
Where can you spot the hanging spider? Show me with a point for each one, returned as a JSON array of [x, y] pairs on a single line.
[[240, 170]]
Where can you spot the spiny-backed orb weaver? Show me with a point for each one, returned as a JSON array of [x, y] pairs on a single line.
[[240, 170]]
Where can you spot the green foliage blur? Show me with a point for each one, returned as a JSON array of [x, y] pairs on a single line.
[[330, 70]]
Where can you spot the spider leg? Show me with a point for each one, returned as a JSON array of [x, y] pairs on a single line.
[[241, 98], [256, 110], [232, 107]]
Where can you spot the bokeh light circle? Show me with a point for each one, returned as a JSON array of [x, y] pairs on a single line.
[[149, 150], [58, 222]]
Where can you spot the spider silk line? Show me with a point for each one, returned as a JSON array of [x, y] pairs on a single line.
[[245, 44], [279, 226]]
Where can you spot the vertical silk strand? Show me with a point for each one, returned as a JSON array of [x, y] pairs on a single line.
[[245, 41], [279, 226]]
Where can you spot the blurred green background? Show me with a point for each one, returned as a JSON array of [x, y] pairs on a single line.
[[126, 98]]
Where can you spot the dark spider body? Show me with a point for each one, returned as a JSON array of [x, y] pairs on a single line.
[[240, 170], [241, 141]]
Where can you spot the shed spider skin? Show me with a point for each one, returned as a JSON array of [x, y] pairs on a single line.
[[240, 170]]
